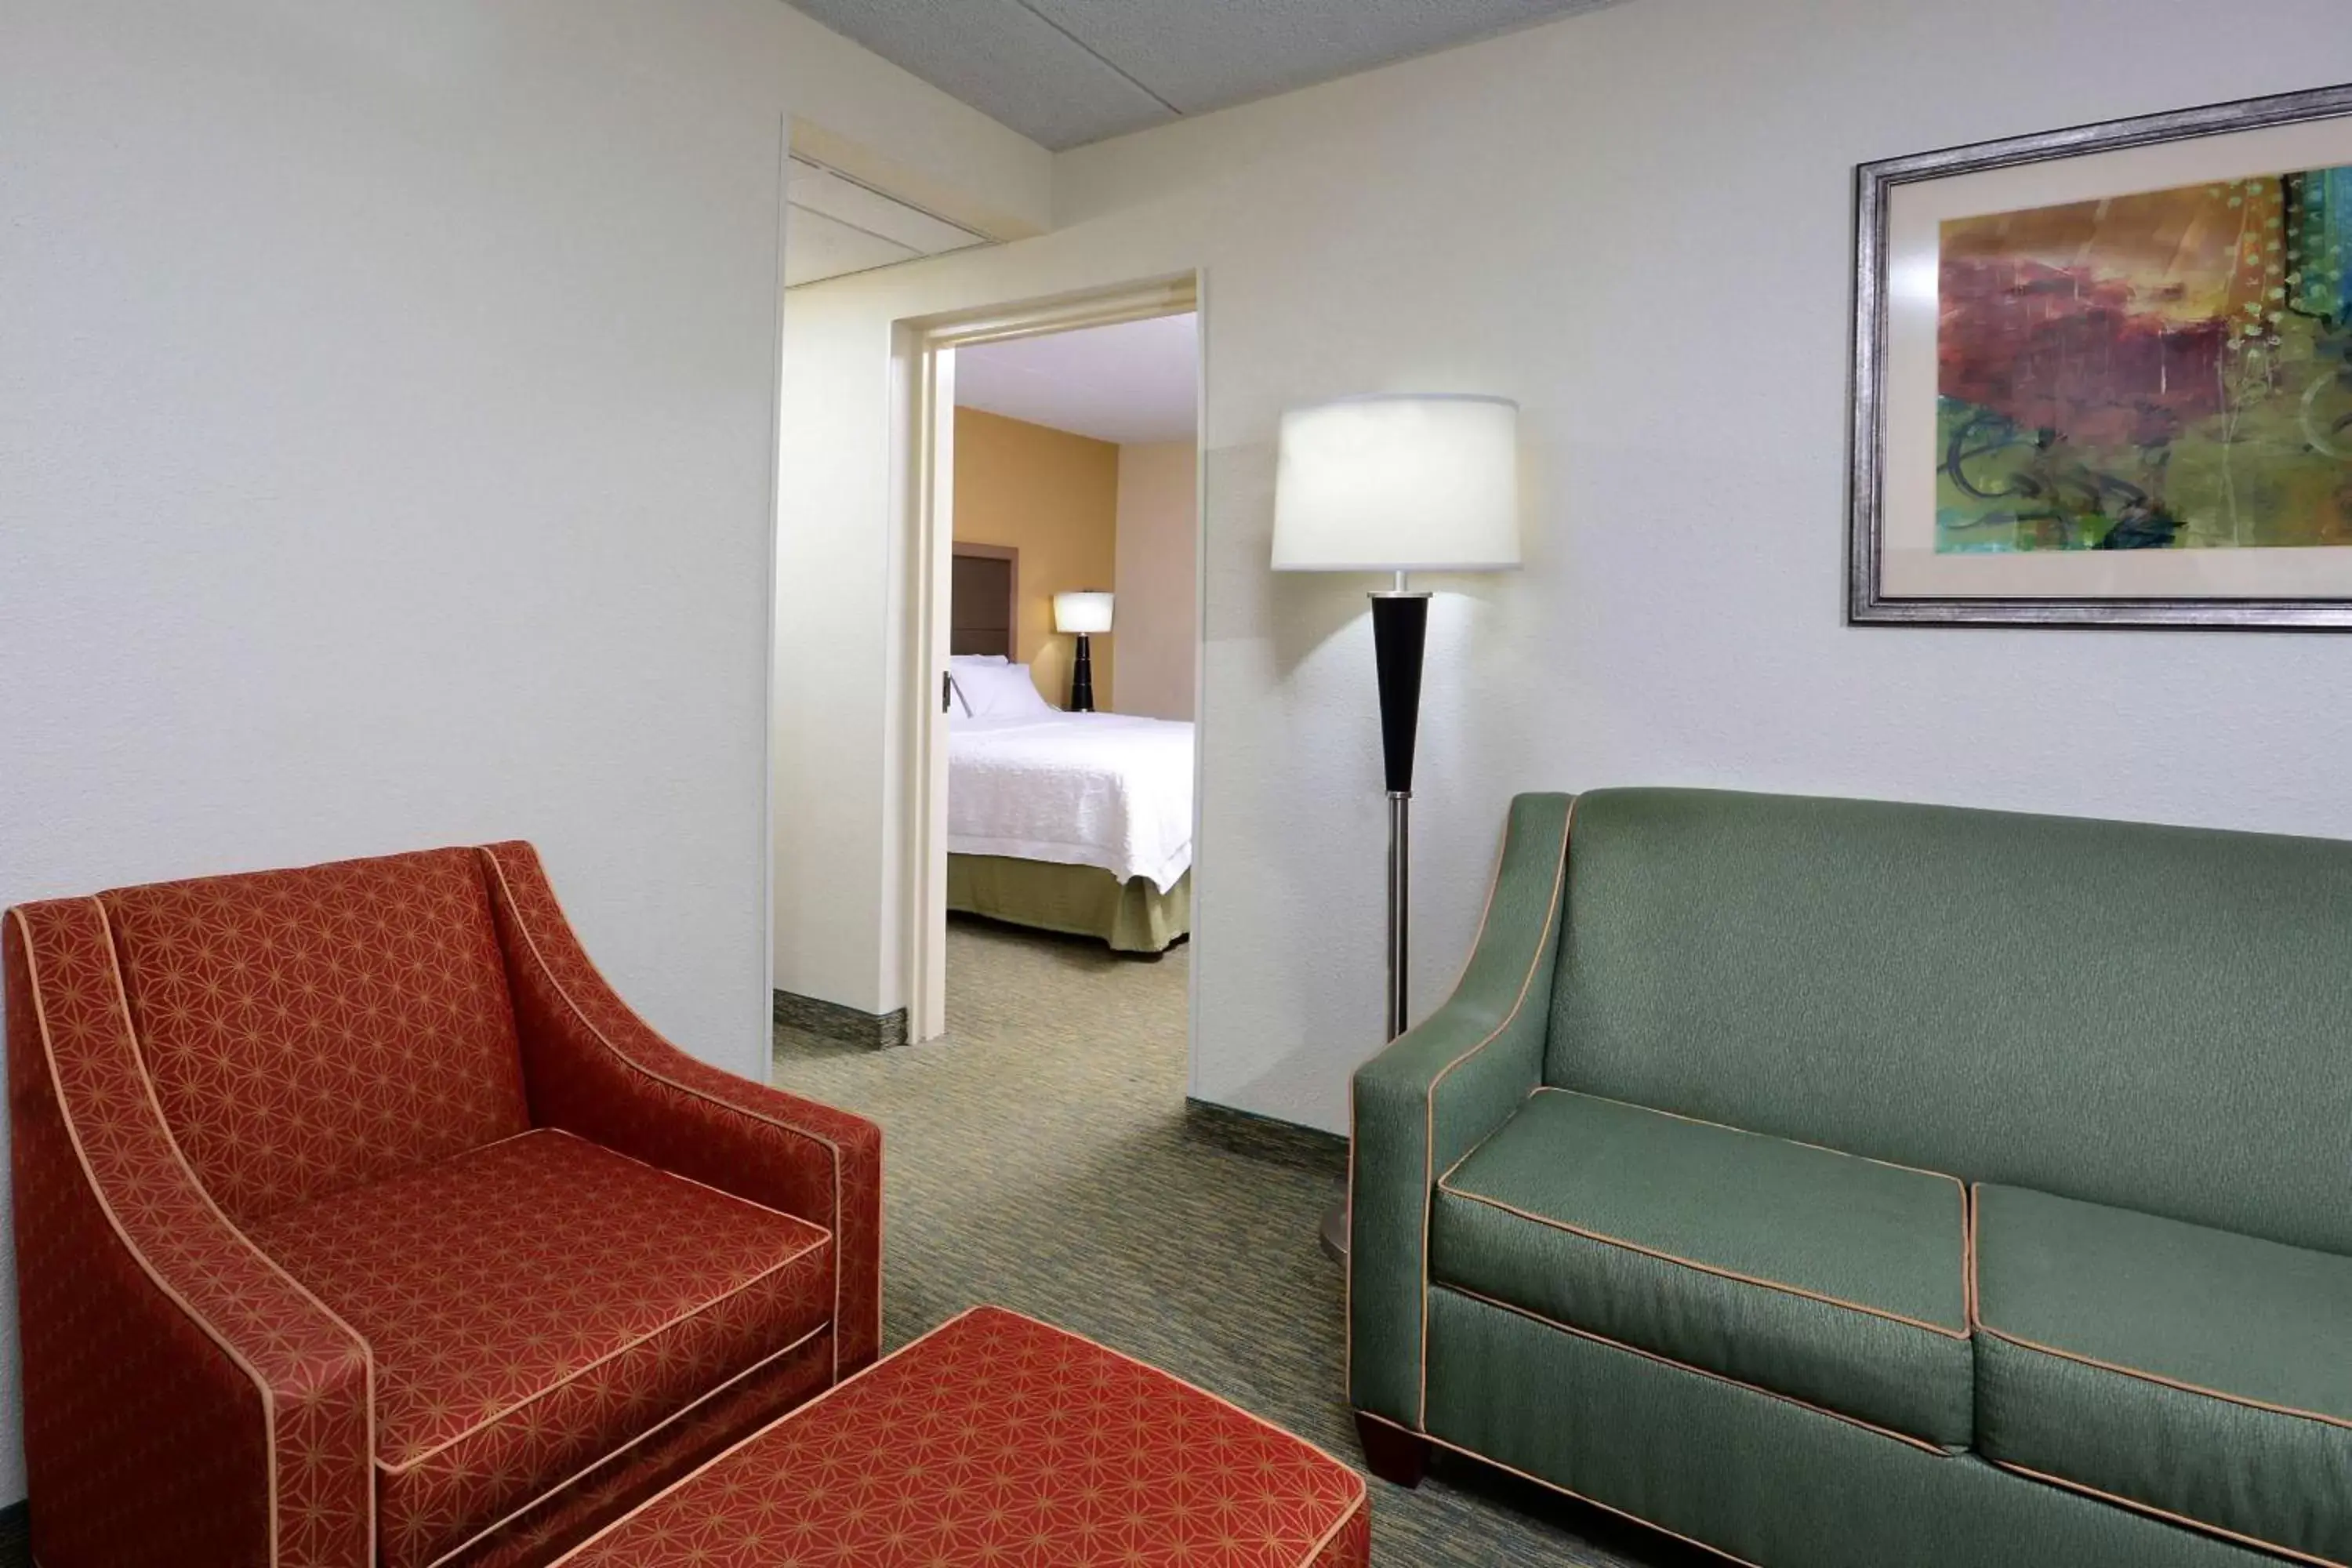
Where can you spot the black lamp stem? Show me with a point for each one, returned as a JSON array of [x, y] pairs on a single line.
[[1082, 677], [1400, 632]]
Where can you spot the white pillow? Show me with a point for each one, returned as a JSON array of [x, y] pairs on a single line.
[[996, 692], [978, 659]]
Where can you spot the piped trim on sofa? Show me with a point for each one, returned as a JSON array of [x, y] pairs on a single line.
[[1967, 1239], [1751, 1132], [2162, 1382], [554, 980], [1564, 1492], [606, 1459], [121, 1004], [1348, 1263], [2159, 1379], [1545, 939], [1921, 1444], [410, 1461], [1968, 1262], [1709, 1269], [1363, 1490], [2152, 1511]]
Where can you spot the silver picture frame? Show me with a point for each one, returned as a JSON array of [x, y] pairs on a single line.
[[1874, 185]]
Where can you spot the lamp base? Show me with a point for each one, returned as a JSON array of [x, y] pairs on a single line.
[[1082, 677]]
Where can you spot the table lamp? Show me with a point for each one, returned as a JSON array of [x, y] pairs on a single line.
[[1082, 615], [1397, 483]]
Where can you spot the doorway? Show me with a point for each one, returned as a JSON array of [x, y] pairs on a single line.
[[1054, 522]]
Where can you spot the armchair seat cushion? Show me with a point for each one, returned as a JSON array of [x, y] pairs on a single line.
[[1835, 1281], [2198, 1373], [535, 1304]]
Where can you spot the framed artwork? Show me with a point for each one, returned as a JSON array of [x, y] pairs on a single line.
[[2103, 376]]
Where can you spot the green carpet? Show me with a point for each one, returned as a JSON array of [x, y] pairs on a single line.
[[1041, 1157]]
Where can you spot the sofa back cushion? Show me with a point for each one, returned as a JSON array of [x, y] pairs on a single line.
[[2158, 1018], [310, 1030]]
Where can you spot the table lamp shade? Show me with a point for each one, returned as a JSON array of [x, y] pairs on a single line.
[[1399, 483], [1082, 611]]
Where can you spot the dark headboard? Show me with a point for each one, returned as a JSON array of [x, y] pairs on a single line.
[[986, 593]]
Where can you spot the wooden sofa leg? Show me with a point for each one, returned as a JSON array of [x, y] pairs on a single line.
[[1398, 1456]]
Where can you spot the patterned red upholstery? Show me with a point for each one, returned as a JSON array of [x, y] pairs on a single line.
[[299, 1286], [997, 1438], [185, 1401], [595, 1068], [534, 1305], [626, 1481], [309, 1030]]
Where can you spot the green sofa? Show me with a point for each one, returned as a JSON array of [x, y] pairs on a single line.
[[1847, 1185]]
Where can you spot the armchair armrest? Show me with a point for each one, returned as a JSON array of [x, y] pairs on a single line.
[[1439, 1090], [593, 1066], [186, 1401]]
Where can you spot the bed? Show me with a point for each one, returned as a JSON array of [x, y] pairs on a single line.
[[1078, 822]]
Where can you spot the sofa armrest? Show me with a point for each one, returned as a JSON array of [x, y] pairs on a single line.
[[593, 1066], [186, 1401], [1438, 1090]]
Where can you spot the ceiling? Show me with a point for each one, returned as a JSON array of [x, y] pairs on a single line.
[[1063, 72], [833, 225], [1134, 382]]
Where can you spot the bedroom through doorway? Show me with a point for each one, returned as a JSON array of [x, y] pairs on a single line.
[[1064, 512]]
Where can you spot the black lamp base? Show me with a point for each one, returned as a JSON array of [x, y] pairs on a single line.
[[1082, 677]]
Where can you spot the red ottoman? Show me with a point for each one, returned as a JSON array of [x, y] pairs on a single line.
[[996, 1438]]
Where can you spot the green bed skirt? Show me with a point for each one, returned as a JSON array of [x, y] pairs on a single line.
[[1079, 900]]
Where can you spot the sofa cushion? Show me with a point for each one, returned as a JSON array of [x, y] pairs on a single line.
[[316, 1029], [533, 1305], [1835, 1281], [2037, 1001], [2195, 1373]]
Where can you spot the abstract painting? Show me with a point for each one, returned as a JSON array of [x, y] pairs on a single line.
[[2154, 369], [2163, 370]]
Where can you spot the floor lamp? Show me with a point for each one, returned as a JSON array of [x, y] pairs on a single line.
[[1397, 483]]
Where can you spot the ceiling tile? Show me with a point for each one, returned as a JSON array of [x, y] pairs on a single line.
[[1203, 54], [1005, 59]]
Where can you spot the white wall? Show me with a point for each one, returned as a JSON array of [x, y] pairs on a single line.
[[1157, 578], [387, 411], [1638, 223]]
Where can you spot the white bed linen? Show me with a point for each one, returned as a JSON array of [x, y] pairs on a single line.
[[1111, 789]]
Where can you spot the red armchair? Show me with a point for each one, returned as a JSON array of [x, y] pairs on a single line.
[[360, 1224]]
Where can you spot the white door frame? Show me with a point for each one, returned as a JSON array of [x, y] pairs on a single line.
[[925, 348]]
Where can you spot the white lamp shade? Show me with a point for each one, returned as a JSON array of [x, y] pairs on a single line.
[[1086, 612], [1399, 483]]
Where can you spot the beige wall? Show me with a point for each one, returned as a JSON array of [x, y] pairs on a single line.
[[1054, 497], [1157, 572]]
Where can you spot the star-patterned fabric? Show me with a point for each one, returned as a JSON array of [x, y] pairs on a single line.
[[172, 1370], [595, 1068], [541, 1533], [535, 1304], [236, 1098], [997, 1439], [313, 1029]]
